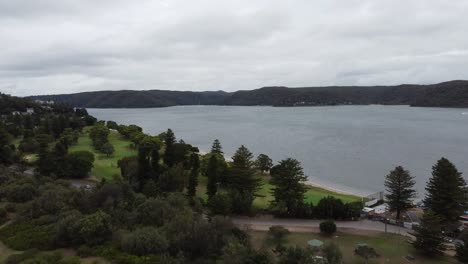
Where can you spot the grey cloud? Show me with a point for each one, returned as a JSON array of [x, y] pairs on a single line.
[[67, 46]]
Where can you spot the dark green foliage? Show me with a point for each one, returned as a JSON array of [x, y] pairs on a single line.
[[220, 204], [95, 228], [36, 257], [79, 164], [242, 181], [19, 192], [263, 163], [212, 172], [144, 241], [366, 252], [399, 190], [174, 179], [297, 255], [429, 237], [169, 153], [238, 253], [446, 193], [289, 189], [328, 227], [148, 160], [330, 208], [108, 149], [129, 170], [277, 235], [462, 250], [6, 149], [332, 253], [194, 172], [112, 125], [216, 148], [23, 236], [99, 135], [28, 145]]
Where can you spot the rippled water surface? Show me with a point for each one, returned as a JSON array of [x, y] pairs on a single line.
[[350, 148]]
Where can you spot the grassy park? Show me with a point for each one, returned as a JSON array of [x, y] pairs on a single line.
[[391, 248], [106, 167]]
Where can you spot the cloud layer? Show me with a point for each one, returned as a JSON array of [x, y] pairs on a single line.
[[65, 46]]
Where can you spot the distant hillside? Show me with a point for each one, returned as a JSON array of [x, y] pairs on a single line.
[[447, 94]]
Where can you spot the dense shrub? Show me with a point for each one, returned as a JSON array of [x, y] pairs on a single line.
[[3, 213], [21, 192], [23, 236], [328, 227], [144, 241]]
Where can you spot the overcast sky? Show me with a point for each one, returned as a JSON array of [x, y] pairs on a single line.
[[65, 46]]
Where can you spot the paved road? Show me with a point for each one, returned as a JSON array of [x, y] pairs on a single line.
[[304, 224]]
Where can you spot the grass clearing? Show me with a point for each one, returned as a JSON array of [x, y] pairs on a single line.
[[392, 248], [105, 167], [313, 194]]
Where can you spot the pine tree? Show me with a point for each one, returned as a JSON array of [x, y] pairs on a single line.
[[216, 148], [289, 188], [242, 180], [193, 179], [429, 237], [169, 154], [155, 167], [446, 192], [213, 177], [400, 190]]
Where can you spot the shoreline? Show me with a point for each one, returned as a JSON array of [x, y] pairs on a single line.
[[310, 183]]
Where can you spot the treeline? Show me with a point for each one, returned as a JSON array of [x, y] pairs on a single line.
[[445, 201], [447, 94]]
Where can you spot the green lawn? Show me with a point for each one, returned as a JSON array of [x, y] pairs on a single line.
[[314, 194], [391, 248], [105, 167]]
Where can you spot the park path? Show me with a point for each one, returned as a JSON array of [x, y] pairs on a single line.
[[303, 225]]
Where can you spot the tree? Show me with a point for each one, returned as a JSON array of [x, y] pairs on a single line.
[[462, 250], [297, 255], [213, 177], [332, 253], [400, 190], [446, 192], [145, 241], [169, 140], [112, 125], [289, 188], [277, 235], [108, 149], [365, 252], [193, 178], [6, 150], [216, 148], [242, 180], [429, 237], [328, 227], [95, 228], [174, 179], [263, 163], [79, 164], [220, 204], [98, 134]]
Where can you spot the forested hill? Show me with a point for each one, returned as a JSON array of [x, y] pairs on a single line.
[[447, 94]]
